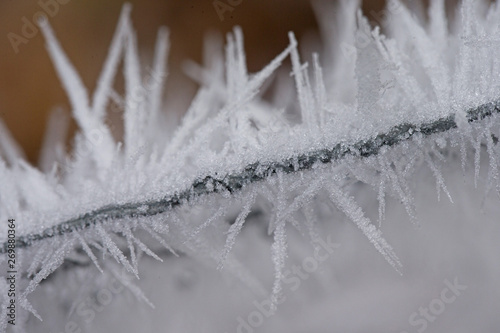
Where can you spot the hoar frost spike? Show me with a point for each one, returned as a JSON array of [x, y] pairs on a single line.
[[409, 99]]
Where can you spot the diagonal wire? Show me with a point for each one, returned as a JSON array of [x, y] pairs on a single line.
[[253, 173]]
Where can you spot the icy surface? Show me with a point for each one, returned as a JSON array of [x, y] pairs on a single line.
[[364, 84]]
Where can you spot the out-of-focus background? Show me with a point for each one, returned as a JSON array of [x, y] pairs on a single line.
[[29, 87]]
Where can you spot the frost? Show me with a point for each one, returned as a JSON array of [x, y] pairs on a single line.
[[355, 213], [399, 186], [132, 287], [52, 152], [9, 149], [219, 213], [49, 266], [381, 201], [235, 228], [355, 125], [493, 181], [89, 252], [43, 253], [158, 238], [110, 245], [439, 178], [143, 247]]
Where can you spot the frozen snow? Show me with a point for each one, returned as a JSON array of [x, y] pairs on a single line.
[[235, 153]]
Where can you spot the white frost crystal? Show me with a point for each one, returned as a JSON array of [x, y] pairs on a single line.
[[383, 118]]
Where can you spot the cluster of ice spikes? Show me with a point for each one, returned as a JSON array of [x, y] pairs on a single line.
[[372, 115]]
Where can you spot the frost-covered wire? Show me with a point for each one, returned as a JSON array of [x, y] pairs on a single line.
[[367, 119], [254, 173]]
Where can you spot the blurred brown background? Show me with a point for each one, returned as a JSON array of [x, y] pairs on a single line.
[[29, 87]]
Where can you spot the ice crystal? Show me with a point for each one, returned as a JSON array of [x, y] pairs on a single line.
[[372, 109]]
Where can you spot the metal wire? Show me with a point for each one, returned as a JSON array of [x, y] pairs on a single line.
[[253, 173]]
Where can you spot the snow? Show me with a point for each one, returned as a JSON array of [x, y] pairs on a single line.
[[327, 131]]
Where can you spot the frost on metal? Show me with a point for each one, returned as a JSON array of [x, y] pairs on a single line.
[[297, 162]]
